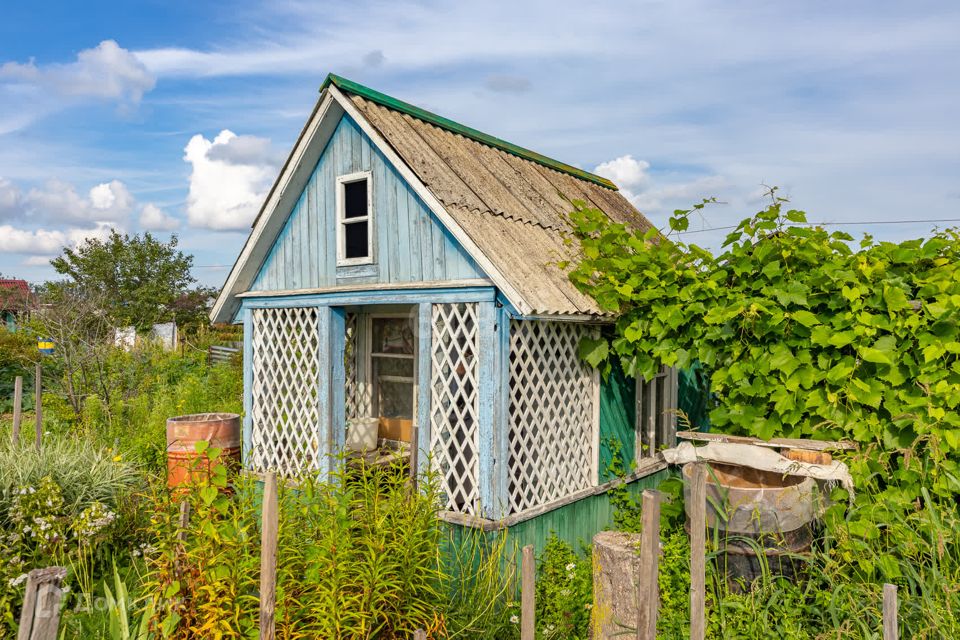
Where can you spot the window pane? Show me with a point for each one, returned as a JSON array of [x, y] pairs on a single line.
[[396, 399], [392, 335], [400, 367], [355, 199], [355, 235]]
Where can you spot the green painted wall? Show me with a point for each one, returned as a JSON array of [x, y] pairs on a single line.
[[618, 417], [575, 523]]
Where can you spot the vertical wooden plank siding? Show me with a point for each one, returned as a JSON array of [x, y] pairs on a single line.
[[502, 444], [325, 382], [492, 504], [247, 440], [410, 243], [338, 404], [424, 371]]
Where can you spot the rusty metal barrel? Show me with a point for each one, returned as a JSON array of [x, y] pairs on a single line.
[[220, 430], [765, 520]]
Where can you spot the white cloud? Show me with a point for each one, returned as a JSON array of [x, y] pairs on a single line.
[[41, 242], [625, 171], [36, 261], [152, 218], [45, 243], [244, 150], [107, 71], [637, 186], [227, 183], [59, 201]]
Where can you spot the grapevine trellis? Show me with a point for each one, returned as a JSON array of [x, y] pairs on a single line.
[[286, 411], [552, 404], [454, 393]]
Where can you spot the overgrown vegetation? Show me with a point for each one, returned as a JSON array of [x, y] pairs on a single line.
[[805, 334]]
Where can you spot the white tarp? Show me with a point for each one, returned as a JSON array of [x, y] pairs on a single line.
[[762, 458]]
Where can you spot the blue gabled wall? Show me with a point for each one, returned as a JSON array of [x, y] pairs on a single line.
[[411, 244]]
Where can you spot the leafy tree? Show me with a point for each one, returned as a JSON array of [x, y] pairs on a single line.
[[140, 276]]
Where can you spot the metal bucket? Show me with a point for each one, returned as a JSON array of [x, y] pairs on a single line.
[[764, 520], [220, 430]]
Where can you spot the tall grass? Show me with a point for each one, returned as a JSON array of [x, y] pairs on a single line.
[[85, 472]]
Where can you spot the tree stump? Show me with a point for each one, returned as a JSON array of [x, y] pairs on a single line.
[[616, 575]]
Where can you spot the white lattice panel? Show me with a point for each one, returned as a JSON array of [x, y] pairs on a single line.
[[286, 413], [552, 400], [454, 429], [351, 387]]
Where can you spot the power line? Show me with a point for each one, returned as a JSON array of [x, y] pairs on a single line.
[[833, 224]]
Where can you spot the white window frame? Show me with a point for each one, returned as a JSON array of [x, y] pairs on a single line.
[[342, 220]]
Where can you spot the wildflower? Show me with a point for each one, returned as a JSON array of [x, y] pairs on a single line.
[[16, 582], [65, 588], [117, 458], [571, 566], [514, 619]]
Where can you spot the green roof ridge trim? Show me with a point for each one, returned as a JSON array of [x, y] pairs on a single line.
[[455, 127]]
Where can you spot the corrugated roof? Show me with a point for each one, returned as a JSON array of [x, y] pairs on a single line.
[[516, 209], [445, 123]]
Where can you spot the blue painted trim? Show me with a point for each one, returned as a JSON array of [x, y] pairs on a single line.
[[424, 373], [337, 417], [488, 380], [347, 298], [247, 439], [324, 396], [502, 443], [358, 271]]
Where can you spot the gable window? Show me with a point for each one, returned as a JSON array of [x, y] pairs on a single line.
[[354, 219]]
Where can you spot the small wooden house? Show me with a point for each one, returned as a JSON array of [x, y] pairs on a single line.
[[403, 267], [15, 302]]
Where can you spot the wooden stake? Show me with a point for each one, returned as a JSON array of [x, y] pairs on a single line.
[[40, 615], [184, 521], [268, 557], [647, 589], [528, 595], [890, 630], [38, 404], [17, 408], [698, 551]]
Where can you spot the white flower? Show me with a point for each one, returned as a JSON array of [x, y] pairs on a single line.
[[514, 619], [15, 582], [571, 566], [65, 588]]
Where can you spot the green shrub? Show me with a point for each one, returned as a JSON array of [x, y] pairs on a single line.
[[564, 592]]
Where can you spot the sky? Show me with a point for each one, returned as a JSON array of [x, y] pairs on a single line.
[[174, 116]]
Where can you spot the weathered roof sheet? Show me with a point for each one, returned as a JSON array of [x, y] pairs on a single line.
[[515, 208]]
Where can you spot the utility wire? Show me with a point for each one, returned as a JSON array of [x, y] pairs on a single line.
[[832, 224]]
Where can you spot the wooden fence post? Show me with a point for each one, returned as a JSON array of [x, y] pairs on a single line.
[[17, 408], [38, 404], [419, 634], [698, 551], [40, 616], [528, 594], [268, 557], [648, 599], [890, 630]]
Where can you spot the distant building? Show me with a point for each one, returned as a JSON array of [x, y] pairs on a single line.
[[16, 301]]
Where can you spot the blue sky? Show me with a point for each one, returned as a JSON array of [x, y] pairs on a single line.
[[174, 115]]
